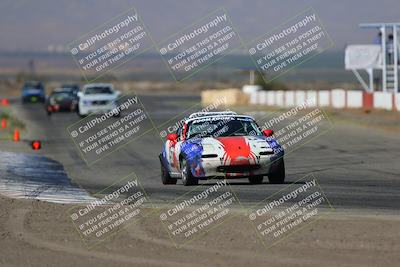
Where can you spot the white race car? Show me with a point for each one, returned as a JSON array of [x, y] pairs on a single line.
[[221, 145], [97, 98]]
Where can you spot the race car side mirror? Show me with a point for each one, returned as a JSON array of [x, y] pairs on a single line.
[[268, 132], [172, 137], [79, 94]]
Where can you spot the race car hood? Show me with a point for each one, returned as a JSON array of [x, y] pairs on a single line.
[[236, 149]]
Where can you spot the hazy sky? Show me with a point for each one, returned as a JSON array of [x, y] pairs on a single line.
[[35, 24]]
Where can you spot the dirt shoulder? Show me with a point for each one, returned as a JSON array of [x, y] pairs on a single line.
[[37, 233]]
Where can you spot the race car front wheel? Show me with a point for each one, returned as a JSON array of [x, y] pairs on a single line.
[[277, 175], [187, 177], [165, 177]]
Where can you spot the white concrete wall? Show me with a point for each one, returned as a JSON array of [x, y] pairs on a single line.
[[271, 98], [383, 100], [300, 97], [338, 98], [324, 98], [354, 99], [397, 101], [312, 98], [263, 97], [280, 98], [290, 99], [254, 98]]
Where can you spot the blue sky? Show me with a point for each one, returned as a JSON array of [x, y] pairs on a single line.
[[35, 24]]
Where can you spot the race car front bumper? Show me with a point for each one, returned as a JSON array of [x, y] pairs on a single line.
[[214, 168]]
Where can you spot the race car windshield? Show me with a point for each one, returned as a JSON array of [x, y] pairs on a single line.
[[60, 96], [33, 85], [223, 128], [98, 90]]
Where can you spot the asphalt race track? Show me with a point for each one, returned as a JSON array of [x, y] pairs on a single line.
[[355, 165]]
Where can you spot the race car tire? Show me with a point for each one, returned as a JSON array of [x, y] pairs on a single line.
[[277, 176], [165, 177], [256, 179], [187, 177]]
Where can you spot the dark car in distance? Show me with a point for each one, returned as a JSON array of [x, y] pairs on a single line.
[[61, 99]]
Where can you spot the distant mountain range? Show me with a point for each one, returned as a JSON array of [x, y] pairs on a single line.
[[328, 66]]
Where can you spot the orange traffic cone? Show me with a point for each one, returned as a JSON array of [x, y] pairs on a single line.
[[4, 102], [16, 135], [3, 123]]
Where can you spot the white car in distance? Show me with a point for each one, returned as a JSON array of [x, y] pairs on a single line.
[[97, 98]]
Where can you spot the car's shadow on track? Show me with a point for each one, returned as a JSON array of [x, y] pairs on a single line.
[[247, 183]]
